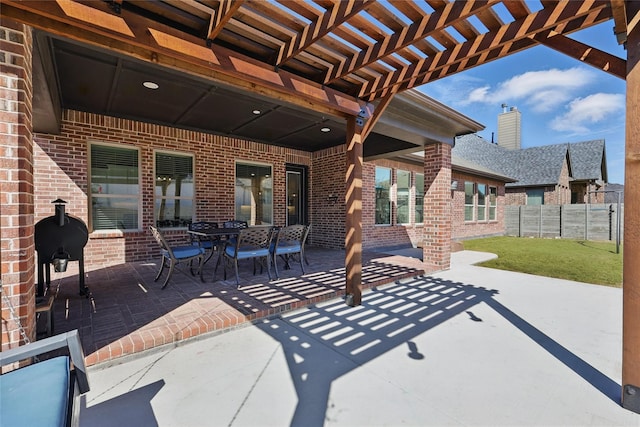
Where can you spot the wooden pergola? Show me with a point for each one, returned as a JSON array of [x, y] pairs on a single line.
[[349, 58]]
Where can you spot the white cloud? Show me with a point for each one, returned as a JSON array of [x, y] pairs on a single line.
[[592, 109], [541, 90]]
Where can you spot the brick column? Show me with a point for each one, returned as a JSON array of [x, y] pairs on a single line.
[[16, 183], [436, 249]]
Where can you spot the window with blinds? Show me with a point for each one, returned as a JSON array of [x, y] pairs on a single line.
[[115, 188], [174, 193]]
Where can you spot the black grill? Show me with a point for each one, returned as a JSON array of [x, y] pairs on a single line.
[[59, 239]]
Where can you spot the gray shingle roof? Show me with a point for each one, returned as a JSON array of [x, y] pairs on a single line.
[[586, 159], [535, 166]]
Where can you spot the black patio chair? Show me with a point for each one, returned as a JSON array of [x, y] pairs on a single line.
[[236, 224], [288, 244], [251, 243], [210, 244], [175, 255]]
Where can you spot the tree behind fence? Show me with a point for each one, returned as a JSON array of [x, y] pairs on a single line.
[[583, 221]]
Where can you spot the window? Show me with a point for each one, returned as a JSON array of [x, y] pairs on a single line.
[[482, 201], [469, 200], [383, 201], [174, 190], [115, 188], [419, 208], [493, 203], [402, 197], [254, 194], [535, 196]]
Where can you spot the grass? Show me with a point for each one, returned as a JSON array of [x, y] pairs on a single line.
[[579, 260]]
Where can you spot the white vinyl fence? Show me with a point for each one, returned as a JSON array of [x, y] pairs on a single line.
[[583, 221]]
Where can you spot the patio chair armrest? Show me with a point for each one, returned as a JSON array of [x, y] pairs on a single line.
[[70, 340]]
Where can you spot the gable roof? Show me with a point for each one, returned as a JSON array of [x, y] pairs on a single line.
[[538, 166], [588, 160], [535, 166]]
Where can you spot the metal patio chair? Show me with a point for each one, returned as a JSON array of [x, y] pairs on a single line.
[[289, 243], [236, 224], [210, 244], [175, 255], [251, 243]]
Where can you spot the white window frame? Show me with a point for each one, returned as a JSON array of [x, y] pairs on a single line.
[[493, 204], [138, 196], [472, 204], [408, 196], [390, 171], [155, 197], [418, 193], [481, 208], [252, 218]]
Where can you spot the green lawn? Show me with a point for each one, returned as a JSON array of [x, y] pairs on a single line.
[[579, 260]]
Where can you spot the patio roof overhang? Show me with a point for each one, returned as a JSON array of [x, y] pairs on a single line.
[[339, 58], [313, 64]]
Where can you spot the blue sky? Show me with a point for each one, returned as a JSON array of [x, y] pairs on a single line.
[[560, 98]]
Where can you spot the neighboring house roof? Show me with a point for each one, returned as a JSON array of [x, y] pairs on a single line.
[[463, 165], [535, 166], [539, 166], [588, 160]]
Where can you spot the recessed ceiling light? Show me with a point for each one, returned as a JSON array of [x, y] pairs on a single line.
[[257, 112], [325, 130], [150, 85]]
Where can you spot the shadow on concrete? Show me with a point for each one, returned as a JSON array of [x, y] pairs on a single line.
[[129, 409], [324, 342]]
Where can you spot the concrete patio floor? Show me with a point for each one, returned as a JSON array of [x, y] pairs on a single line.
[[468, 346], [128, 312]]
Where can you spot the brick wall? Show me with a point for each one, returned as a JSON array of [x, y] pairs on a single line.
[[437, 207], [16, 183], [462, 229], [328, 205], [61, 172]]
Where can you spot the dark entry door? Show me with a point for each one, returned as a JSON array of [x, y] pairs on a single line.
[[296, 194]]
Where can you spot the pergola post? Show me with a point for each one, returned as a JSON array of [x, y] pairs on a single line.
[[353, 221], [631, 267]]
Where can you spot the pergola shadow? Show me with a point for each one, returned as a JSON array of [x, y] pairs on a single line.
[[345, 338], [128, 312]]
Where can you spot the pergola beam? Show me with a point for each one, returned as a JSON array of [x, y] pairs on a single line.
[[589, 55], [339, 14], [427, 26], [505, 40]]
